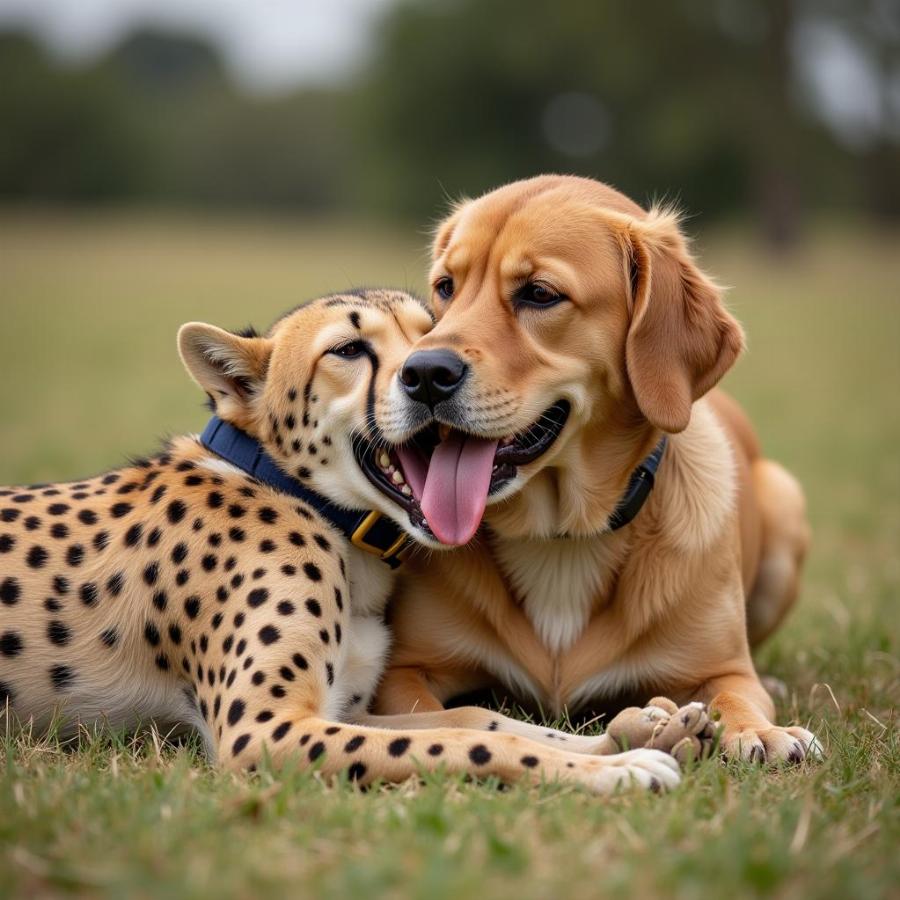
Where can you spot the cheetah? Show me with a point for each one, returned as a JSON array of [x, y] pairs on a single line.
[[236, 582]]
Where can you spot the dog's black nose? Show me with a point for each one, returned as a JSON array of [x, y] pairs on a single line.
[[430, 376]]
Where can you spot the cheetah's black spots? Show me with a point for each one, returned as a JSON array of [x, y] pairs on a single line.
[[7, 696], [52, 605], [101, 541], [61, 677], [279, 732], [161, 600], [264, 716], [324, 636], [7, 543], [329, 674], [313, 573], [435, 749], [239, 744], [58, 633], [337, 632], [480, 755], [236, 511], [151, 574], [192, 607], [37, 557], [236, 712], [10, 515], [61, 584], [179, 553], [278, 691], [176, 511], [151, 634], [32, 523], [119, 510], [182, 576], [158, 494], [267, 515], [354, 743], [399, 746], [87, 517], [286, 608], [316, 751], [214, 500], [287, 673], [75, 555], [162, 662], [237, 535], [115, 584], [134, 535], [10, 644], [228, 643], [323, 542], [530, 762], [194, 480], [314, 607], [154, 537], [59, 530], [357, 771], [300, 662], [258, 573], [23, 498], [209, 562], [267, 546], [269, 634], [258, 678], [58, 509], [257, 597], [174, 633], [297, 539], [10, 591], [89, 593]]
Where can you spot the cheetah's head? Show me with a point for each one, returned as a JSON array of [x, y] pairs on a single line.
[[320, 391]]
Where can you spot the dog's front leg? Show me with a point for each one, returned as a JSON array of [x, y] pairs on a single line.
[[746, 714]]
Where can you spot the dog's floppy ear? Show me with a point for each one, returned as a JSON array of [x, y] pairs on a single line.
[[681, 339], [230, 368]]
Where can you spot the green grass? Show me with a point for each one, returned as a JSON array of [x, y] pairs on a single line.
[[89, 372]]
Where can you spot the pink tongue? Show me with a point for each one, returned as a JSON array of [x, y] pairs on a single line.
[[456, 487]]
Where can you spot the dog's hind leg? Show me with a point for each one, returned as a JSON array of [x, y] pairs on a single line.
[[785, 541]]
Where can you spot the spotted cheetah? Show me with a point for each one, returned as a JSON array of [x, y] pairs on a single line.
[[235, 583]]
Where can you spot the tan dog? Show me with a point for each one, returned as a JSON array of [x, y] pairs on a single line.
[[575, 329]]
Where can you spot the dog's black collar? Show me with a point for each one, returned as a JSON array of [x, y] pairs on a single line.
[[639, 487], [366, 529]]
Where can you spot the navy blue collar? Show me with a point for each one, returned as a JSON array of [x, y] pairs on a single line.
[[366, 529], [638, 490]]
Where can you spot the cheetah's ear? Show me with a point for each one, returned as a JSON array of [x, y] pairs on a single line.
[[230, 368]]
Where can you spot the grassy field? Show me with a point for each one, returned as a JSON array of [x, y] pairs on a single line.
[[89, 374]]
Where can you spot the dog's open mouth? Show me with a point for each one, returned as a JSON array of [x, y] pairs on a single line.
[[443, 477]]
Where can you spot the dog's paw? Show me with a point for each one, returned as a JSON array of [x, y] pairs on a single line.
[[774, 745], [647, 769], [686, 732]]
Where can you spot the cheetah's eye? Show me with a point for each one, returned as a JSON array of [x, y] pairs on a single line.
[[350, 350]]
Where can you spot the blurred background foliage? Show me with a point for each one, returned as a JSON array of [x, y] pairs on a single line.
[[714, 105]]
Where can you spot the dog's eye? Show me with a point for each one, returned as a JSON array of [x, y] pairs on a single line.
[[444, 287], [350, 350], [534, 293]]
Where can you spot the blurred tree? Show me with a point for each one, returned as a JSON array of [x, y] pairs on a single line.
[[689, 101]]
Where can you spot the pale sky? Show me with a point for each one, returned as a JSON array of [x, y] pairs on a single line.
[[270, 44]]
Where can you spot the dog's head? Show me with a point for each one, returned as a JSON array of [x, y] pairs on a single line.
[[566, 312], [319, 390]]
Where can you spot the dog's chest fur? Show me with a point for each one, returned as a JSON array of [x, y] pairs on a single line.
[[559, 583]]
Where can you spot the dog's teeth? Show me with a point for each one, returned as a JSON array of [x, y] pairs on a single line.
[[397, 477], [443, 432], [406, 490], [384, 460]]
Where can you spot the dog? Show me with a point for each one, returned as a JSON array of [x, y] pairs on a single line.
[[573, 368], [235, 583]]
